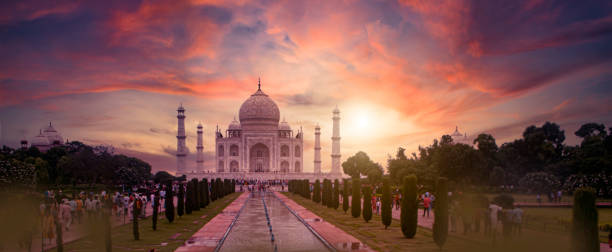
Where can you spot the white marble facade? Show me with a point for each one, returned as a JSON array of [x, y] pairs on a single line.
[[258, 143]]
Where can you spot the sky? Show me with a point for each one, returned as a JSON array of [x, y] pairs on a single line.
[[402, 72]]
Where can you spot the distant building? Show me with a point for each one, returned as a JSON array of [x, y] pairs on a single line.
[[46, 139], [459, 137]]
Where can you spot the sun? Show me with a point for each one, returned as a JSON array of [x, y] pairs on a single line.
[[363, 121]]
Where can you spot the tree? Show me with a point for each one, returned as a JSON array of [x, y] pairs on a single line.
[[195, 194], [386, 203], [180, 208], [155, 210], [356, 199], [205, 192], [585, 235], [169, 203], [345, 195], [213, 190], [202, 196], [189, 198], [367, 203], [440, 226], [360, 164], [336, 195], [135, 214], [316, 197], [409, 211], [591, 129]]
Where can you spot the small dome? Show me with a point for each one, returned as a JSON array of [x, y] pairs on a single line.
[[234, 125], [53, 137], [336, 110], [199, 125], [284, 125], [456, 133], [40, 140], [317, 127], [259, 109]]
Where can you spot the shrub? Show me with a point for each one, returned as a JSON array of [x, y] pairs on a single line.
[[367, 203], [440, 226], [345, 195], [409, 212], [180, 207], [585, 236], [386, 203], [356, 198], [506, 201], [316, 197]]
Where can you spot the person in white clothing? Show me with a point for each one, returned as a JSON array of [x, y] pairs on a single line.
[[493, 211], [517, 220]]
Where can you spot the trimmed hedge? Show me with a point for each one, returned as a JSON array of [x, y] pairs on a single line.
[[585, 235], [356, 198], [440, 226], [409, 212], [386, 203]]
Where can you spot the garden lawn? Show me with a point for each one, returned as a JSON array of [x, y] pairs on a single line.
[[174, 234], [377, 237], [559, 220]]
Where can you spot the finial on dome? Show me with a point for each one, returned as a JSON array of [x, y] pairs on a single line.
[[259, 84]]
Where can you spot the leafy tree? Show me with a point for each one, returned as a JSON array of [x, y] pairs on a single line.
[[440, 226], [591, 129], [180, 208], [169, 203], [345, 195], [336, 195], [316, 197], [386, 203], [409, 211], [356, 198], [497, 176], [162, 176], [367, 203], [360, 164], [585, 235]]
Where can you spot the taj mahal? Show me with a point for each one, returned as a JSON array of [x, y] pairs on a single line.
[[259, 145]]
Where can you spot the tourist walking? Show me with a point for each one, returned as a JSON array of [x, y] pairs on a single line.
[[426, 205], [517, 220]]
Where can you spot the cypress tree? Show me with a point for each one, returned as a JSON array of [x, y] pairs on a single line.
[[409, 211], [324, 193], [188, 198], [367, 203], [201, 195], [205, 192], [356, 198], [180, 207], [336, 194], [219, 184], [213, 190], [386, 203], [316, 197], [107, 225], [345, 195], [195, 194], [330, 194], [135, 214], [585, 234], [169, 203], [155, 210], [440, 226]]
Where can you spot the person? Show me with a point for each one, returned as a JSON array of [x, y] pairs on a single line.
[[452, 214], [397, 201], [48, 226], [426, 205], [73, 206], [559, 194], [65, 215], [79, 208], [487, 220], [493, 211], [89, 207], [517, 220], [539, 199], [377, 207]]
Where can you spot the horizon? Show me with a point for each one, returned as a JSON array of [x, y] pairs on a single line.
[[402, 73]]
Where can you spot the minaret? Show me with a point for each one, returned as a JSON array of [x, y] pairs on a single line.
[[181, 148], [335, 169], [317, 154], [200, 148]]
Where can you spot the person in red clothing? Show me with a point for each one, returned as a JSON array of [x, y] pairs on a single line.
[[426, 203]]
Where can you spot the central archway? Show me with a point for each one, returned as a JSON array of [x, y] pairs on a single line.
[[259, 158]]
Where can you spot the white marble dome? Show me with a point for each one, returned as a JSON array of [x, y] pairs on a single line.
[[259, 109], [234, 125]]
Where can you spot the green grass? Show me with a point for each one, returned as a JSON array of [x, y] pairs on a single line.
[[187, 225], [377, 237], [558, 220]]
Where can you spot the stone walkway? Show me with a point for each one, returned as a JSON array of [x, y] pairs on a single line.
[[336, 237], [207, 238]]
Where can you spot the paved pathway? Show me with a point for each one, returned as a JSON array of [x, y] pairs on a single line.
[[207, 238], [336, 237]]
